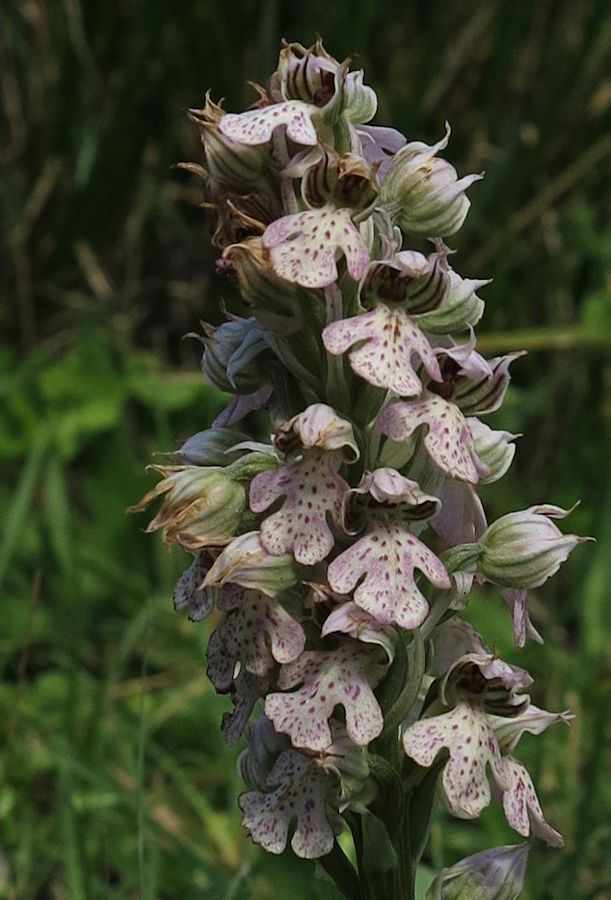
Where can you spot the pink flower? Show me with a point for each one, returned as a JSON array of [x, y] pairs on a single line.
[[380, 569], [328, 678], [312, 490], [388, 343], [298, 793], [304, 247], [448, 437], [256, 126]]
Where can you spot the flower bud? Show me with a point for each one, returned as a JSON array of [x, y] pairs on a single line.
[[346, 181], [202, 508], [495, 448], [491, 875], [359, 102], [228, 163], [274, 301], [229, 360], [246, 562], [524, 549], [304, 74], [318, 427], [264, 746], [422, 192], [212, 447]]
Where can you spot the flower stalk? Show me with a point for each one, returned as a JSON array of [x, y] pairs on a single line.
[[340, 543]]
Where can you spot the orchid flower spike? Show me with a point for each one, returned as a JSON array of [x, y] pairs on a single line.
[[332, 509]]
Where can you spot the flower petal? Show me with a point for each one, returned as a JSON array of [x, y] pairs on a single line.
[[311, 489], [241, 405], [522, 807], [516, 600], [300, 796], [386, 358], [339, 677], [256, 126], [256, 632], [465, 732], [304, 246], [386, 485], [348, 618], [318, 427], [495, 449], [480, 393], [387, 556], [532, 721], [190, 592], [246, 690], [448, 439], [462, 519], [246, 562]]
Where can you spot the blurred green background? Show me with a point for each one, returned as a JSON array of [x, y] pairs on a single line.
[[115, 781]]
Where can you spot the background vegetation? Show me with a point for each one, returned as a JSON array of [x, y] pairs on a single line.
[[115, 782]]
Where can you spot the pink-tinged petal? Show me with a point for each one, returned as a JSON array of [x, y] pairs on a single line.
[[261, 630], [466, 680], [516, 601], [312, 489], [245, 692], [451, 640], [221, 664], [466, 734], [387, 556], [388, 343], [379, 146], [521, 804], [241, 405], [318, 427], [341, 677], [300, 796], [190, 592], [256, 126], [471, 363], [386, 485], [246, 562], [478, 393], [256, 632], [304, 246], [495, 449], [448, 438], [462, 519], [348, 618], [532, 721]]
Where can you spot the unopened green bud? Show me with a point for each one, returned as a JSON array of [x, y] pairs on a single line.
[[346, 181], [212, 447], [423, 193], [491, 875], [246, 562], [230, 166], [202, 507], [524, 549], [495, 448], [304, 74], [230, 356], [275, 301]]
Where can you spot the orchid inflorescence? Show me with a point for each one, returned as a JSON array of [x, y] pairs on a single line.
[[340, 553]]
